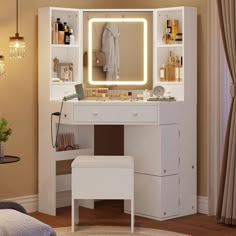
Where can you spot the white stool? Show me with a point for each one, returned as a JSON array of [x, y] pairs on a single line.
[[102, 177]]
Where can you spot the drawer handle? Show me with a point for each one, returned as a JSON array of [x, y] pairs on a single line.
[[95, 113], [135, 113]]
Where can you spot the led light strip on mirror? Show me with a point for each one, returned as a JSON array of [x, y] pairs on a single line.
[[90, 50]]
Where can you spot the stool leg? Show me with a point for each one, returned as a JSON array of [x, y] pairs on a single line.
[[74, 214], [132, 215], [76, 211]]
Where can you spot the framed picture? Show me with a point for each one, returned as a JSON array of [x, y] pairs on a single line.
[[65, 71]]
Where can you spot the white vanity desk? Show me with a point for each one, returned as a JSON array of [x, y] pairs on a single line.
[[161, 136], [154, 135]]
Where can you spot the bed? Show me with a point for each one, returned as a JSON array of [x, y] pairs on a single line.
[[14, 221]]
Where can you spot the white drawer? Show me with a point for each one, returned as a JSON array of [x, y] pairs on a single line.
[[115, 114], [58, 91], [155, 197], [162, 143]]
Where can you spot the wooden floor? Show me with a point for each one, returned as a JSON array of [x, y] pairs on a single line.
[[111, 213]]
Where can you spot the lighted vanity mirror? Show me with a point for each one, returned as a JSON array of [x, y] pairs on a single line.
[[123, 42]]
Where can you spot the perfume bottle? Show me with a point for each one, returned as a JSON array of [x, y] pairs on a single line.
[[174, 29], [170, 68], [54, 32], [177, 69], [163, 73], [72, 37], [60, 32], [181, 70], [66, 33], [166, 38]]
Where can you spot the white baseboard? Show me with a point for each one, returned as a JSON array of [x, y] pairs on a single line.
[[202, 203], [30, 203]]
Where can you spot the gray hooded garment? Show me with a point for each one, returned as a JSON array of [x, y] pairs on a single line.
[[110, 47]]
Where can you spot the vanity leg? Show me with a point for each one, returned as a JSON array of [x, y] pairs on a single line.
[[132, 215]]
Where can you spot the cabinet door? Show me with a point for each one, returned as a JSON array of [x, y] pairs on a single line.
[[156, 148], [155, 197]]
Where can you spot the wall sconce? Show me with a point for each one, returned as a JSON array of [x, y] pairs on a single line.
[[17, 44], [2, 67]]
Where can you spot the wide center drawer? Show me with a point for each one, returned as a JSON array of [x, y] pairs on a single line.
[[115, 114]]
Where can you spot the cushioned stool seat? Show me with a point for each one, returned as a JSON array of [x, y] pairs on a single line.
[[102, 177]]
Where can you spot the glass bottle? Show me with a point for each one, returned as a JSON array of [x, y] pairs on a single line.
[[174, 29], [66, 33], [170, 68], [177, 69], [181, 70], [72, 37], [166, 38], [163, 73], [60, 32]]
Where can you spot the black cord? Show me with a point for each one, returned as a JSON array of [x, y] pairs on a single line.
[[58, 126]]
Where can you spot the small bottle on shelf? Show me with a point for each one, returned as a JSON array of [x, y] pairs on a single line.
[[72, 37], [179, 38], [163, 73], [166, 38], [177, 69], [60, 32], [170, 68], [54, 33], [66, 33], [174, 29], [181, 70], [169, 25]]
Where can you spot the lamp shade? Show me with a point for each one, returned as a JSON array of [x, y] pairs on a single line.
[[17, 44], [17, 47], [2, 67]]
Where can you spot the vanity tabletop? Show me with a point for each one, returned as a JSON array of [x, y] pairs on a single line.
[[120, 102]]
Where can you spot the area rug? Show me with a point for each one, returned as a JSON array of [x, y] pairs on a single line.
[[113, 231]]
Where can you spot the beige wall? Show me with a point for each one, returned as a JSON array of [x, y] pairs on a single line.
[[18, 92]]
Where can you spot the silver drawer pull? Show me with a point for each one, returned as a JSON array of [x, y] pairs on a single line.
[[95, 113], [135, 113]]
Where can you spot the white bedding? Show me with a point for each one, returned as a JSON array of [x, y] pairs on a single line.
[[15, 223]]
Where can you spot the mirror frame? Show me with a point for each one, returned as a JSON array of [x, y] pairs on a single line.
[[90, 49]]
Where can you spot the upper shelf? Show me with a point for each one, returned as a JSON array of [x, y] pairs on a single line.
[[72, 154], [169, 45], [64, 46]]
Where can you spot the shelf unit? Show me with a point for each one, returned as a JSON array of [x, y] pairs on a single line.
[[165, 180], [186, 25], [50, 97], [66, 53]]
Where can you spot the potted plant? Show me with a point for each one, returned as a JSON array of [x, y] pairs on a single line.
[[5, 131]]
